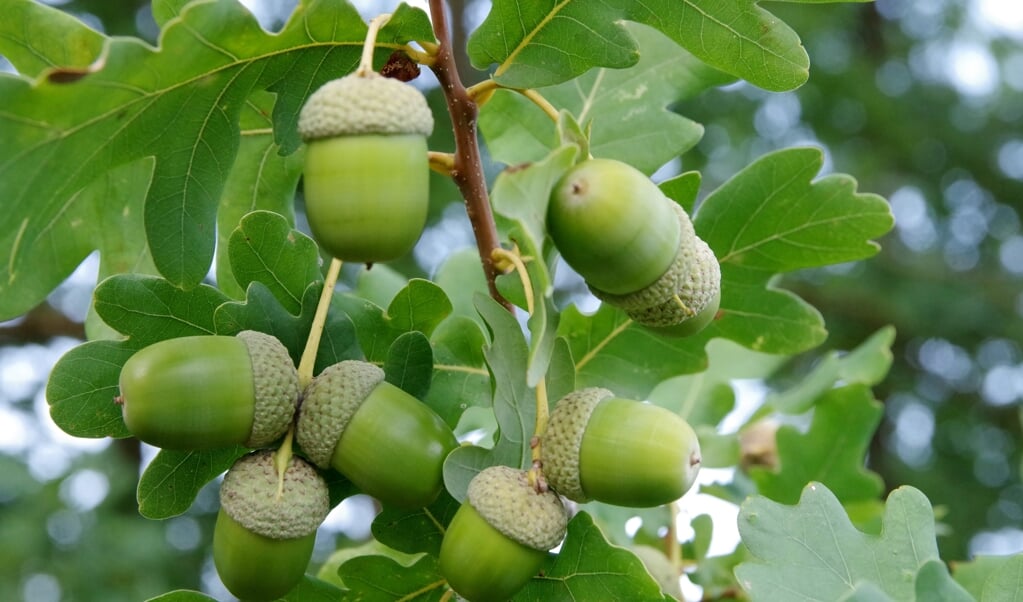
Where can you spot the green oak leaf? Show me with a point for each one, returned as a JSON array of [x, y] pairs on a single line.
[[771, 218], [461, 277], [811, 551], [409, 364], [612, 351], [831, 452], [867, 364], [990, 578], [181, 104], [173, 478], [262, 311], [627, 109], [28, 31], [588, 567], [311, 589], [264, 248], [382, 579], [514, 404], [460, 376], [546, 42], [415, 531], [150, 309], [934, 583], [522, 195], [83, 385]]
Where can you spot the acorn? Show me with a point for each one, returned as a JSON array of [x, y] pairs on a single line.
[[618, 451], [207, 392], [266, 527], [366, 174], [388, 443], [499, 537], [635, 248]]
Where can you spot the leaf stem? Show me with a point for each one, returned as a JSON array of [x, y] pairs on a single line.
[[366, 61], [442, 163], [467, 169], [503, 258], [308, 361], [282, 457], [539, 100]]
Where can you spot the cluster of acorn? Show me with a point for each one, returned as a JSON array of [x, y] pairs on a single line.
[[244, 390], [604, 216]]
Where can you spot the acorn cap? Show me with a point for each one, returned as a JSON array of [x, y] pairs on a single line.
[[504, 498], [364, 104], [251, 496], [276, 387], [564, 438], [691, 284], [328, 404]]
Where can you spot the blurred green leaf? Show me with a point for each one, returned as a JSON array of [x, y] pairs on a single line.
[[548, 42], [311, 589], [264, 248], [461, 277], [812, 551], [976, 575], [588, 567], [627, 109], [171, 481], [28, 31], [832, 452]]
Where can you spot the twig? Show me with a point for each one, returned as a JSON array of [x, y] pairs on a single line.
[[467, 170]]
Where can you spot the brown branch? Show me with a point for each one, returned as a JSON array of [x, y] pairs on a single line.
[[467, 170]]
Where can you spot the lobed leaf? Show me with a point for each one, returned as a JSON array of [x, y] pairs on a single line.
[[415, 531], [460, 376], [831, 452], [182, 595], [382, 579], [811, 551], [538, 44], [626, 109], [82, 387], [150, 309], [180, 104], [170, 482], [588, 567], [409, 364]]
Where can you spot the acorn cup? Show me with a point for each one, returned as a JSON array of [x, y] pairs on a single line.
[[635, 248], [388, 443], [366, 175], [207, 392], [618, 451], [265, 530], [499, 537]]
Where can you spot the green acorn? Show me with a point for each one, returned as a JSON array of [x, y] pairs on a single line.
[[635, 248], [499, 537], [366, 179], [207, 392], [266, 527], [387, 442], [618, 451]]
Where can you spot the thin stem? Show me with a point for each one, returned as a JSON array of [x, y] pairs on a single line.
[[504, 257], [541, 102], [308, 361], [480, 93], [282, 457], [442, 163], [467, 171], [366, 61]]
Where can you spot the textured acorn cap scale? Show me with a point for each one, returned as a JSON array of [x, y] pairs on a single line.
[[276, 387], [564, 438], [329, 403], [691, 286], [504, 498], [251, 495], [364, 104]]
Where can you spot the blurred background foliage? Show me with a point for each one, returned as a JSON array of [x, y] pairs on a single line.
[[921, 101]]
